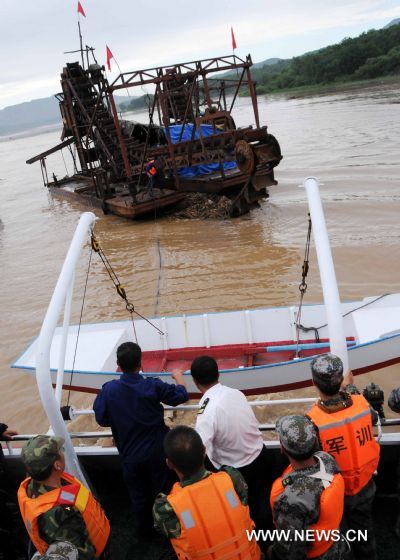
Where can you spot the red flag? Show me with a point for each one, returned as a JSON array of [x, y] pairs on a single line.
[[109, 57], [81, 10], [233, 39]]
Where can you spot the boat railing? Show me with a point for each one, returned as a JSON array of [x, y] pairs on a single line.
[[61, 299], [189, 407], [384, 437], [264, 427]]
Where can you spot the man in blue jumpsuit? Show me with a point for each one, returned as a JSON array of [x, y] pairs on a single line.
[[132, 407]]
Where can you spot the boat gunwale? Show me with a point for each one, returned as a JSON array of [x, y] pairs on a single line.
[[184, 315], [222, 371]]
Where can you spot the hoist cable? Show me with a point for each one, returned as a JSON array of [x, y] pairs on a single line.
[[117, 284], [303, 284]]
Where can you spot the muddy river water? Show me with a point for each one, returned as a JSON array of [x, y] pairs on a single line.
[[350, 140]]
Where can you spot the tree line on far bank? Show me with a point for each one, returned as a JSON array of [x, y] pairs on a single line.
[[136, 103], [371, 55]]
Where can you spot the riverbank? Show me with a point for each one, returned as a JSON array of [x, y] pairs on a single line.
[[332, 88]]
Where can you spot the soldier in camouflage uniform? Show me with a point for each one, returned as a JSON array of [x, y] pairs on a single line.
[[44, 461], [298, 506], [335, 391], [166, 521]]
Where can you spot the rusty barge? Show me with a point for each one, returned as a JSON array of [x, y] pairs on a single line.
[[189, 144]]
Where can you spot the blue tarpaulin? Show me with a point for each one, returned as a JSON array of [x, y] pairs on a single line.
[[196, 170]]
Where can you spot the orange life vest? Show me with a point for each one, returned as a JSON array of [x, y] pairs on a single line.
[[74, 494], [214, 522], [151, 169], [331, 505], [347, 436]]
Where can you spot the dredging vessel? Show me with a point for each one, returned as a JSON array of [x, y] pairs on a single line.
[[189, 144]]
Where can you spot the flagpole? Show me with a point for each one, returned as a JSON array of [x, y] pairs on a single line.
[[80, 40], [233, 49]]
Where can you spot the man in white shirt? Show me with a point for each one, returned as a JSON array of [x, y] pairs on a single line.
[[229, 430]]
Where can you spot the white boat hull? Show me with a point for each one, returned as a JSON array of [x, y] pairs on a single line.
[[237, 339]]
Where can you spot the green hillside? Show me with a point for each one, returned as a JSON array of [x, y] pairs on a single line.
[[371, 55], [136, 103], [38, 113]]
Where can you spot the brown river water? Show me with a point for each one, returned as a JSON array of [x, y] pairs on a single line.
[[350, 140]]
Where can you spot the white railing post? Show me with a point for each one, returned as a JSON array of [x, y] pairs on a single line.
[[43, 375], [330, 290], [64, 340]]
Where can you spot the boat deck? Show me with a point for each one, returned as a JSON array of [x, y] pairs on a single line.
[[230, 356]]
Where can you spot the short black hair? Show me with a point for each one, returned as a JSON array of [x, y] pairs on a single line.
[[204, 370], [129, 357], [326, 387], [184, 448]]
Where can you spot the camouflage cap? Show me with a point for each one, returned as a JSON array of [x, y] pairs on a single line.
[[62, 550], [327, 368], [394, 400], [40, 452], [297, 434]]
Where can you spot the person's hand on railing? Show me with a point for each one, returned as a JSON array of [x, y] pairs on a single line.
[[6, 434], [178, 377], [348, 379]]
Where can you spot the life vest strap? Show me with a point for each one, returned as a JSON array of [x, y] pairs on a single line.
[[219, 546], [235, 553], [321, 474]]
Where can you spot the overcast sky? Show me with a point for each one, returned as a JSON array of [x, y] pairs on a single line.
[[34, 34]]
